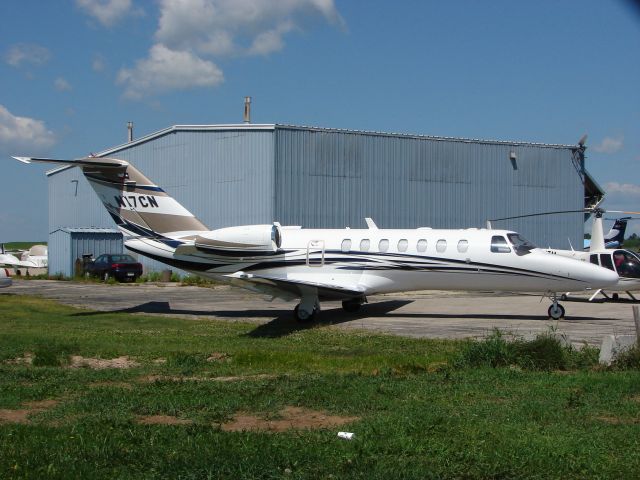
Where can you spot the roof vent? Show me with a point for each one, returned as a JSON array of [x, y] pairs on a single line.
[[247, 109], [130, 132]]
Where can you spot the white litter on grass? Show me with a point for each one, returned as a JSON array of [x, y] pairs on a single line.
[[346, 435]]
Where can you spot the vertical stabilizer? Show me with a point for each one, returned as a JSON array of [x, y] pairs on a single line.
[[138, 206]]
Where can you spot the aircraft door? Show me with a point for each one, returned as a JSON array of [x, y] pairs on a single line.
[[315, 253]]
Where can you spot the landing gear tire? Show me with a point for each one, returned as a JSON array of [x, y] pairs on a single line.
[[303, 316], [351, 306], [556, 311], [615, 297]]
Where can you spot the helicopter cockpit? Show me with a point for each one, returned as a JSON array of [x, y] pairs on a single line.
[[624, 262]]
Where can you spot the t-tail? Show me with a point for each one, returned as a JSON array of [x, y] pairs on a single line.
[[615, 237], [138, 206]]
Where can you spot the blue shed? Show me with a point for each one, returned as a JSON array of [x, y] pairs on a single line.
[[68, 244]]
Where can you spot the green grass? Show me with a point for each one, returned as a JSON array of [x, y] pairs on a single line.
[[424, 413], [21, 245]]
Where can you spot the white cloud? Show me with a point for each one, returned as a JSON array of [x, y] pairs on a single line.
[[23, 135], [167, 69], [610, 145], [62, 85], [108, 12], [27, 53], [237, 27], [192, 32], [622, 189]]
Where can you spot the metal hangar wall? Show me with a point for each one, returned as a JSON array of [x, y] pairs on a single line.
[[319, 178]]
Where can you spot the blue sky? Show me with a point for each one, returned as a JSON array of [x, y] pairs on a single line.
[[73, 72]]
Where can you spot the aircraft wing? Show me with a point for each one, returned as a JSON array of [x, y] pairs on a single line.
[[289, 289], [12, 261]]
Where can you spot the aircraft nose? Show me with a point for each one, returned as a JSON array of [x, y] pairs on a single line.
[[601, 277]]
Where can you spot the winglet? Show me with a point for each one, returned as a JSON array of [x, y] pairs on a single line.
[[371, 225], [23, 159]]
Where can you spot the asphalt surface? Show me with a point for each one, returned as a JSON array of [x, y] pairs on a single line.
[[432, 314]]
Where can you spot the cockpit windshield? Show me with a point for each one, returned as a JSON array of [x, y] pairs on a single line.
[[627, 264], [521, 245]]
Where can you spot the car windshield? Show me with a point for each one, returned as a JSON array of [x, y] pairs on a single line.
[[521, 245], [122, 259]]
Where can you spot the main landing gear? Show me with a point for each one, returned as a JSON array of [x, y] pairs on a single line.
[[309, 307], [556, 311]]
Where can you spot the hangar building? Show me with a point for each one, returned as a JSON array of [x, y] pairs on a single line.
[[328, 178]]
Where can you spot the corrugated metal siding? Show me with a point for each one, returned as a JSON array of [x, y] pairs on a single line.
[[329, 179], [65, 247]]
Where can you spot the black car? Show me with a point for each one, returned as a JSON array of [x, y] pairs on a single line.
[[122, 267]]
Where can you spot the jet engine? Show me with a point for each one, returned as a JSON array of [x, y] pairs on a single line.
[[244, 240]]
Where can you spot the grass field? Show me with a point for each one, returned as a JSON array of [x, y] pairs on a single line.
[[206, 399]]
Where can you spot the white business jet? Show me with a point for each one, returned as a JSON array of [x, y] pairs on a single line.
[[315, 265]]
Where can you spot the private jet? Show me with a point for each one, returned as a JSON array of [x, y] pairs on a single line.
[[339, 264]]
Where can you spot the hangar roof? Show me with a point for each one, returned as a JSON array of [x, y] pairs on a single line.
[[274, 126]]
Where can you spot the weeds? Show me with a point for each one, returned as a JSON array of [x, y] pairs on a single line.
[[53, 355], [545, 352], [629, 359]]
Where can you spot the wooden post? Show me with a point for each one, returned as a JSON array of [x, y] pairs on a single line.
[[636, 319]]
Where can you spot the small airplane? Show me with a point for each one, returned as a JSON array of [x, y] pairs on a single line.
[[36, 257], [328, 264], [615, 237]]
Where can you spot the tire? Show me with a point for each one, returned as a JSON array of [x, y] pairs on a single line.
[[351, 306], [556, 314], [615, 297], [302, 316]]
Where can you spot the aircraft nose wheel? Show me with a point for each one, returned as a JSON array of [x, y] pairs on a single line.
[[556, 311], [304, 316]]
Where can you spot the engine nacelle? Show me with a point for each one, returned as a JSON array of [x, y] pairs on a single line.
[[244, 240]]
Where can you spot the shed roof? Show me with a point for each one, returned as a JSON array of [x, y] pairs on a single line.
[[86, 230]]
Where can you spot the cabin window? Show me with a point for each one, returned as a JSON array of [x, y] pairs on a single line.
[[346, 244], [463, 246], [605, 261], [499, 244], [383, 245], [594, 259], [441, 245], [365, 244], [422, 245], [403, 244]]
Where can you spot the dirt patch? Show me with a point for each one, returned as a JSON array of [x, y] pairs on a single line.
[[162, 420], [159, 361], [618, 420], [635, 398], [21, 415], [219, 357], [290, 418], [177, 378], [26, 360], [123, 362], [111, 384]]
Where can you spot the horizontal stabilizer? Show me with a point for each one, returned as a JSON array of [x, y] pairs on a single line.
[[89, 161]]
